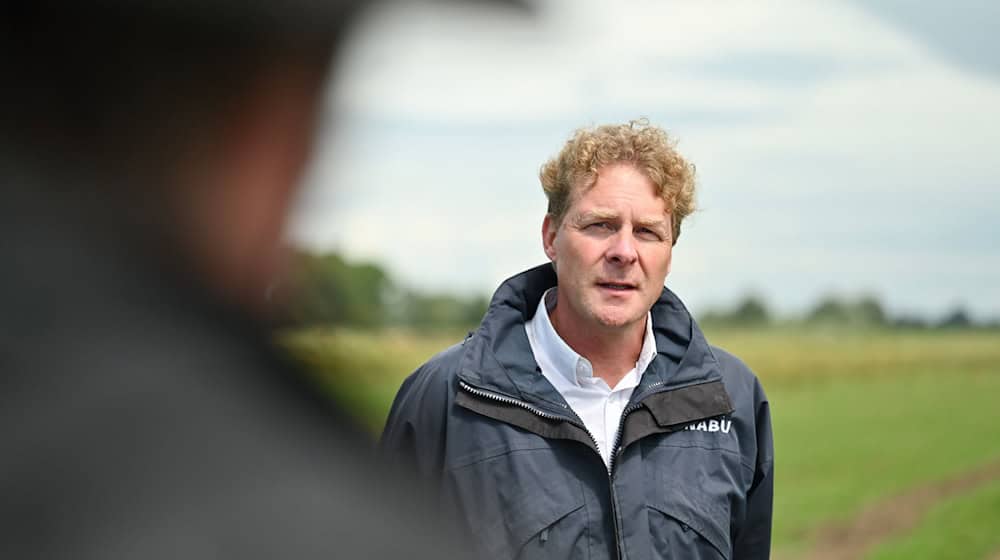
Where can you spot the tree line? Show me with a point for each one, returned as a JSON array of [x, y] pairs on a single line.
[[836, 311], [330, 290]]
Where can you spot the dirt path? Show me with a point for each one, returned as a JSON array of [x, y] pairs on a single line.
[[851, 540]]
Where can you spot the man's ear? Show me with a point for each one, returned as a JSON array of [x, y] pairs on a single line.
[[549, 230], [673, 241]]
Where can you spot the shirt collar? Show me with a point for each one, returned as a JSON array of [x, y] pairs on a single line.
[[553, 354]]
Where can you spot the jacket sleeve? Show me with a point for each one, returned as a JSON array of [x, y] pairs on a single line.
[[414, 437], [754, 538]]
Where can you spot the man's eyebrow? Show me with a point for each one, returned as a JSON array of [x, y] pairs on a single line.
[[653, 223], [597, 214]]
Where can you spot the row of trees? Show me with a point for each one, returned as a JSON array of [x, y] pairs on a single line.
[[328, 290], [332, 291], [834, 311]]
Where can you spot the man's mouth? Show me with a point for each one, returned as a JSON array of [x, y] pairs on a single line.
[[617, 286]]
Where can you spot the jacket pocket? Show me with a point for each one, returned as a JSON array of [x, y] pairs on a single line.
[[563, 538], [521, 505], [691, 498], [677, 532]]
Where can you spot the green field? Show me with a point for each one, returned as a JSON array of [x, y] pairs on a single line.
[[956, 520], [862, 420]]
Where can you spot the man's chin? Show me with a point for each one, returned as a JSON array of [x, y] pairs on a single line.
[[618, 319]]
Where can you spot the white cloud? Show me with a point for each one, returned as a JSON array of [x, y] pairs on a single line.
[[820, 134]]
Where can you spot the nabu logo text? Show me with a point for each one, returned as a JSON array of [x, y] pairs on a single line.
[[714, 425]]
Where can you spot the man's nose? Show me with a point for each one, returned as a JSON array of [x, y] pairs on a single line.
[[623, 248]]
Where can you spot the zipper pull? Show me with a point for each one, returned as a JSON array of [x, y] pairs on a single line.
[[544, 536]]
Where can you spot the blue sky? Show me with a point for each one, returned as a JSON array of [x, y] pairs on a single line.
[[841, 148]]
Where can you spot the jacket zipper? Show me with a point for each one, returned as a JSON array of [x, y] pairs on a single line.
[[611, 466], [534, 410], [614, 451], [621, 423]]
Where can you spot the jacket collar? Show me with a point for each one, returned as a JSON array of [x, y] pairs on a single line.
[[498, 356]]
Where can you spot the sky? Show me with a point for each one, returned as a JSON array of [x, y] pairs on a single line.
[[841, 148]]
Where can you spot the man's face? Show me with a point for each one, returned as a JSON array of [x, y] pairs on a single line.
[[612, 251]]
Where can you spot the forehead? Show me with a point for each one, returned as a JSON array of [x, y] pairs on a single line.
[[617, 188]]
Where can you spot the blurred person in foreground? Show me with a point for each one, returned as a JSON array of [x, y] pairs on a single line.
[[149, 155], [588, 417]]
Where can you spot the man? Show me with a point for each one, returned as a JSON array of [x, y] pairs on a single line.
[[149, 154], [588, 417]]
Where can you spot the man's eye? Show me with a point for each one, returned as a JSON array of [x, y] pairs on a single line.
[[599, 226], [646, 233]]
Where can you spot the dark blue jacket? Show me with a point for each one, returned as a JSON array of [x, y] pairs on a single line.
[[691, 473]]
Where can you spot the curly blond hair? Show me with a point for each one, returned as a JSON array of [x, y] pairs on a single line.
[[638, 143]]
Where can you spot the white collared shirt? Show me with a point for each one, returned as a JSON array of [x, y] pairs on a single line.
[[599, 406]]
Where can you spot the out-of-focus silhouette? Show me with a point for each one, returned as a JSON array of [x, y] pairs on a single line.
[[148, 157]]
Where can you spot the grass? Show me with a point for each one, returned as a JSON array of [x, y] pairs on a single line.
[[363, 370], [862, 416], [811, 355], [957, 529], [844, 444], [858, 416]]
